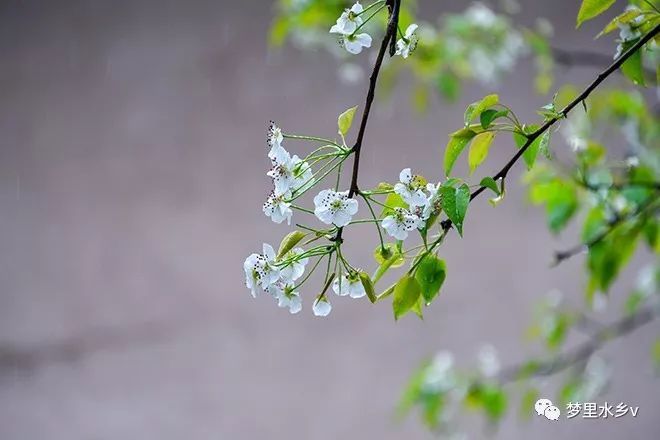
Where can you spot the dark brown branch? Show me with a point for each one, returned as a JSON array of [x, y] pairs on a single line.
[[564, 112], [582, 352], [390, 34]]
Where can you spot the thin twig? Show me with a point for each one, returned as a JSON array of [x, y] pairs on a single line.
[[390, 33], [582, 352], [561, 256]]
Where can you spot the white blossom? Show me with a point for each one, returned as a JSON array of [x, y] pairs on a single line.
[[354, 43], [291, 299], [410, 189], [290, 173], [480, 15], [348, 21], [332, 207], [349, 285], [489, 363], [274, 140], [294, 270], [433, 203], [407, 45], [439, 374], [321, 306], [277, 208], [400, 222], [260, 270]]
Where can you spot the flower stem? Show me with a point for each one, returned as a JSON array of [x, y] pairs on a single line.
[[367, 19], [373, 214]]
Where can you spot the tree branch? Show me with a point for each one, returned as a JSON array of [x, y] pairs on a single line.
[[583, 351], [390, 34], [564, 112], [560, 256]]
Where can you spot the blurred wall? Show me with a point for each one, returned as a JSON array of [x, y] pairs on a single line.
[[131, 180]]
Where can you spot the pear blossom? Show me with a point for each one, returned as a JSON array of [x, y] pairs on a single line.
[[290, 173], [277, 208], [295, 269], [409, 189], [439, 375], [433, 203], [289, 298], [332, 207], [274, 140], [349, 285], [354, 43], [321, 306], [260, 270], [407, 45], [348, 21], [400, 222]]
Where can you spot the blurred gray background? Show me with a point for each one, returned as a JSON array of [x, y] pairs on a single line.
[[131, 180]]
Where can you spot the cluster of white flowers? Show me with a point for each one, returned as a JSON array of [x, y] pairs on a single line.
[[628, 31], [492, 57], [262, 273], [407, 45], [350, 22], [289, 174], [421, 205], [346, 26]]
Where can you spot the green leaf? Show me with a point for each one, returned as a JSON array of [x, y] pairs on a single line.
[[624, 18], [479, 149], [655, 354], [474, 110], [430, 275], [489, 182], [529, 398], [529, 156], [455, 203], [345, 120], [607, 257], [406, 294], [560, 198], [417, 308], [289, 241], [591, 9], [633, 67], [393, 200], [488, 116], [368, 286], [449, 85], [457, 143], [491, 398]]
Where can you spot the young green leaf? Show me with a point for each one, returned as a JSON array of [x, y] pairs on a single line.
[[529, 156], [457, 143], [488, 116], [455, 203], [289, 241], [392, 201], [345, 120], [624, 18], [633, 67], [406, 294], [430, 275], [489, 182], [592, 8], [368, 286], [479, 149], [474, 110]]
